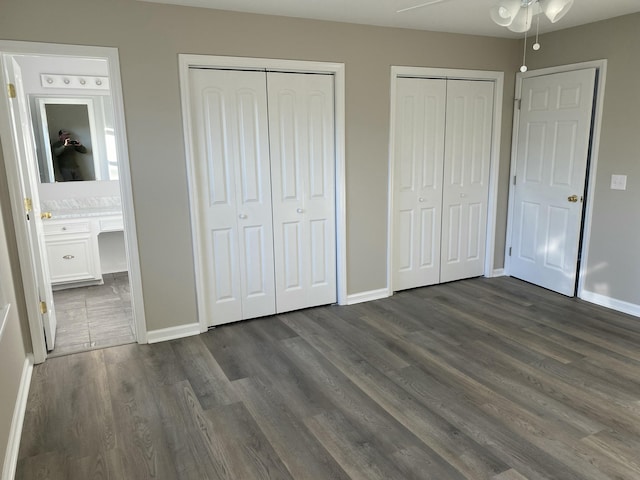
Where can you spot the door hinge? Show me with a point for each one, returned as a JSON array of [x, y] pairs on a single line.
[[518, 103], [28, 205], [11, 90], [43, 308], [509, 251], [514, 179]]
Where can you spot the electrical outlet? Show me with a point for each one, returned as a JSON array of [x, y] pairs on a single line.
[[618, 182]]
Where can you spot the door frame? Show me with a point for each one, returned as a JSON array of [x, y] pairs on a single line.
[[492, 202], [592, 162], [12, 165], [187, 61]]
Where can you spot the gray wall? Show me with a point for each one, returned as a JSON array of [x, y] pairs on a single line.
[[14, 340], [150, 37], [613, 260]]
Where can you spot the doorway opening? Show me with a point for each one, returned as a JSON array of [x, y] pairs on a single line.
[[65, 149]]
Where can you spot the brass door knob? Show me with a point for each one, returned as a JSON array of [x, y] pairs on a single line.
[[44, 215], [573, 198]]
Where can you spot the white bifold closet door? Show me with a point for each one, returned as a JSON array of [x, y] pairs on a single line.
[[231, 145], [465, 186], [267, 226], [301, 126], [418, 161], [442, 150]]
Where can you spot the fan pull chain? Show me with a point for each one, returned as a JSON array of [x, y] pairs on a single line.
[[523, 68]]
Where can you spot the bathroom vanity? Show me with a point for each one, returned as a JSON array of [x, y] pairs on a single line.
[[81, 243]]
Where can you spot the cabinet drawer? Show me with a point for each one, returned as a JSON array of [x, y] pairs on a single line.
[[52, 228]]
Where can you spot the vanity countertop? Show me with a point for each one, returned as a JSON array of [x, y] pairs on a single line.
[[70, 213]]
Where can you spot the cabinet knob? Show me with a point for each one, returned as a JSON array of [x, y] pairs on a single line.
[[299, 210], [68, 257], [421, 199], [242, 216], [64, 228]]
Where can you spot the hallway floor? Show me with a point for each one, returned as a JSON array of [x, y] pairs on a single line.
[[94, 317]]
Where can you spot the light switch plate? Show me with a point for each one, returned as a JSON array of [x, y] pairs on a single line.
[[618, 182]]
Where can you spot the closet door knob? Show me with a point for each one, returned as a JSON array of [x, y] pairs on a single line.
[[421, 199], [299, 210], [242, 216]]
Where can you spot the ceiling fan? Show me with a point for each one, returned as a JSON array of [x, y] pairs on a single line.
[[516, 15]]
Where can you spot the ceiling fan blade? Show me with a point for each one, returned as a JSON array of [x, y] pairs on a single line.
[[425, 4]]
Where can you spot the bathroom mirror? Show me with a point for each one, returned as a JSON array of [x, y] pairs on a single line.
[[89, 154]]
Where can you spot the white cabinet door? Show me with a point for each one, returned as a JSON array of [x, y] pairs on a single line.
[[302, 141], [417, 201], [231, 145], [465, 190], [72, 258], [551, 164]]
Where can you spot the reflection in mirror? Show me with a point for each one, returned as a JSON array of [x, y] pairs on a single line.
[[76, 138]]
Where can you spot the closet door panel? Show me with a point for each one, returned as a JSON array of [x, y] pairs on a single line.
[[417, 188], [222, 251], [301, 125], [469, 128], [253, 199], [230, 141]]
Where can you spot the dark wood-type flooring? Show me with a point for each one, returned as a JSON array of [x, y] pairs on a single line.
[[478, 379]]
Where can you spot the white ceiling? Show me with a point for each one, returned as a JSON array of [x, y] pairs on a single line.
[[457, 16]]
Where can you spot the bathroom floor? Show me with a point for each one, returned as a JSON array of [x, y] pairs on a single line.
[[94, 317]]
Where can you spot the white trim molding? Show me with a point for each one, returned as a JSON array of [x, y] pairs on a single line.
[[17, 421], [172, 333], [367, 296], [498, 272], [492, 202], [612, 303], [187, 61], [601, 69]]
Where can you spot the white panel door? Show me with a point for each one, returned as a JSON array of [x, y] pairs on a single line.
[[28, 174], [302, 140], [417, 188], [467, 160], [551, 164], [231, 145]]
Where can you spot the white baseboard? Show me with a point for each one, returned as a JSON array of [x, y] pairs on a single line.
[[164, 334], [11, 455], [604, 301], [367, 296], [498, 272]]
